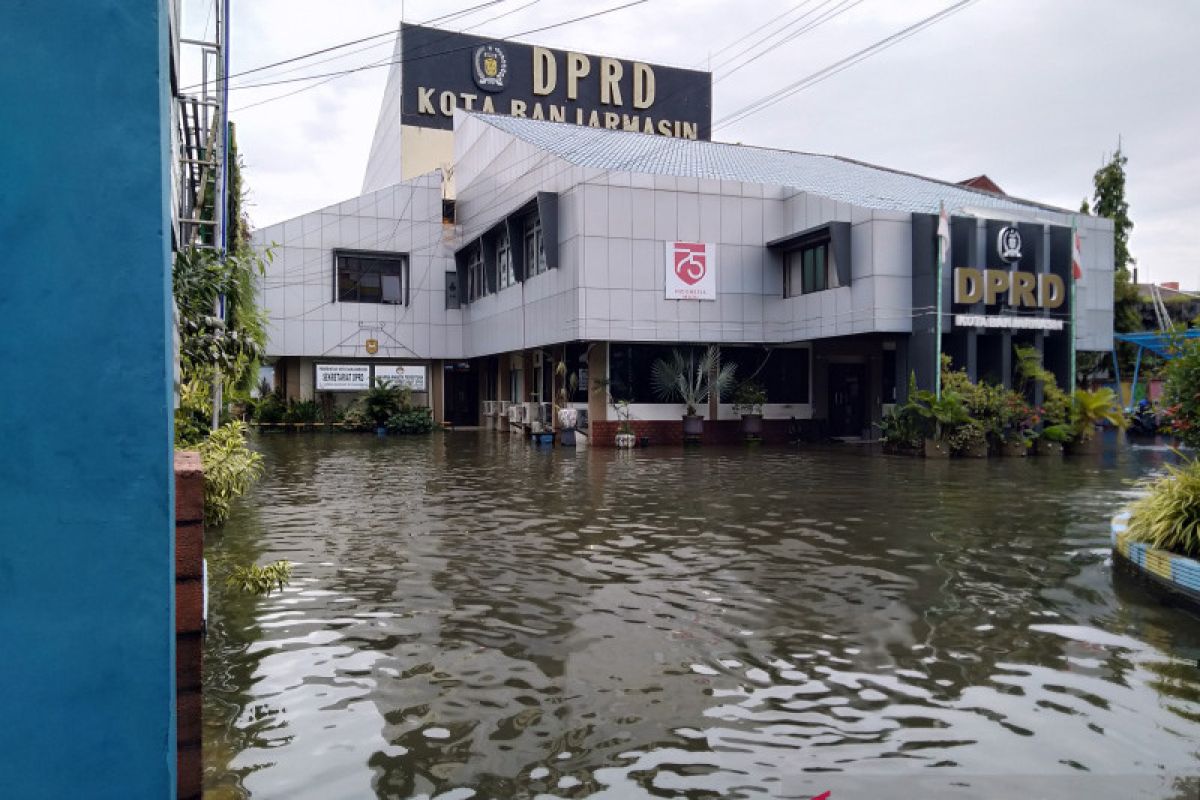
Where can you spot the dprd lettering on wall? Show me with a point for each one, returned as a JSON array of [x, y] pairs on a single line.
[[343, 377], [410, 377], [691, 271]]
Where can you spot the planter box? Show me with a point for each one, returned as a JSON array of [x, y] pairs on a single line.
[[1177, 575], [978, 451], [936, 449], [693, 426], [1045, 447], [566, 437], [752, 425], [1013, 449], [1087, 447]]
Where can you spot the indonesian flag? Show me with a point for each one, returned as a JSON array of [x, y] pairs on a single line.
[[1076, 257], [943, 232]]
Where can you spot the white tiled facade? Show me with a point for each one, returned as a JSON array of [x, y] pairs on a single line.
[[612, 230]]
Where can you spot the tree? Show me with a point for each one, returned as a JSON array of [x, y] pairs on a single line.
[[1108, 200]]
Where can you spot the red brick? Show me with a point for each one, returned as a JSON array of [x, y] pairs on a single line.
[[189, 606], [189, 661], [190, 780], [189, 487], [189, 550], [188, 709]]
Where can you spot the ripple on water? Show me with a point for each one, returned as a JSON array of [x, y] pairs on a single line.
[[474, 617]]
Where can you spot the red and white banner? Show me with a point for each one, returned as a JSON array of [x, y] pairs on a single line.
[[691, 271]]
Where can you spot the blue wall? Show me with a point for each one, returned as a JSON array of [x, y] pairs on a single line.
[[86, 489]]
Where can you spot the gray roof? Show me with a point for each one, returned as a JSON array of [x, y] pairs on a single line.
[[834, 177]]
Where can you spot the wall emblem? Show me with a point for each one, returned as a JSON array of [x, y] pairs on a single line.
[[1008, 244], [691, 271], [490, 68], [372, 346]]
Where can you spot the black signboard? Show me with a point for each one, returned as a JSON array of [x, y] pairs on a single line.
[[442, 71]]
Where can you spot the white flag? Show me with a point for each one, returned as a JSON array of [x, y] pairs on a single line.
[[943, 232]]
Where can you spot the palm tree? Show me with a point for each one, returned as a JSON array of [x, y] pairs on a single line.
[[689, 380]]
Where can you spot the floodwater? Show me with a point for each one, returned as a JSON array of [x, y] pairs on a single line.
[[473, 617]]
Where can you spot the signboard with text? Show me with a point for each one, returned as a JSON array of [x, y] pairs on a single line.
[[412, 377], [343, 377], [443, 71], [691, 271]]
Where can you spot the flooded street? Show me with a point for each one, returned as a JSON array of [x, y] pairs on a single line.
[[472, 617]]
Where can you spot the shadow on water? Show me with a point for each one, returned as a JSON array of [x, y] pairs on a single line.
[[472, 617]]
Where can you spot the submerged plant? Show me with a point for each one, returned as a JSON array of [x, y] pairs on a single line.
[[1090, 408], [1168, 517], [260, 580]]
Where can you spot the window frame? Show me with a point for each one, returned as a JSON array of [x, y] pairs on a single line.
[[535, 246], [796, 260], [351, 262], [505, 268]]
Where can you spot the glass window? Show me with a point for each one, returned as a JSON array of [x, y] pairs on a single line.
[[806, 270], [475, 278], [372, 278], [535, 251], [781, 371], [504, 260]]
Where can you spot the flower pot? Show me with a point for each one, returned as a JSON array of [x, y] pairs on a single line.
[[936, 449], [1013, 449], [566, 437], [1084, 447], [752, 425], [693, 426], [1045, 447], [979, 450], [626, 440]]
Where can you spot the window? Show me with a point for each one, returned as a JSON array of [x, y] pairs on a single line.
[[782, 371], [475, 277], [504, 260], [372, 278], [630, 368], [535, 251], [806, 269]]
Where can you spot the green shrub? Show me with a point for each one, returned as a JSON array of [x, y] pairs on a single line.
[[260, 580], [355, 418], [966, 438], [749, 398], [230, 468], [1090, 408], [1060, 433], [411, 421], [1182, 392], [383, 400], [270, 409], [1168, 518], [302, 411]]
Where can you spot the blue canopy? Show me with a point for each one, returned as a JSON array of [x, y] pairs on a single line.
[[1161, 344]]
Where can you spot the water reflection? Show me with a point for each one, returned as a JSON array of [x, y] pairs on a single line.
[[471, 617]]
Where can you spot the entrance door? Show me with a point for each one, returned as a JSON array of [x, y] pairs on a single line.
[[847, 399], [462, 395]]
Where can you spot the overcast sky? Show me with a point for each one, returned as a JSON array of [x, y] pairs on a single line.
[[1035, 93]]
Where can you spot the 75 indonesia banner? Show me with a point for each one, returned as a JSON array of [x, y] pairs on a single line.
[[691, 271]]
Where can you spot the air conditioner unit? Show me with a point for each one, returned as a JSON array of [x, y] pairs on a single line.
[[546, 414], [531, 412], [502, 407], [489, 408], [516, 413]]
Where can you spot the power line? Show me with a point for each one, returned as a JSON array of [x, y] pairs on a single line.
[[322, 51], [836, 11], [743, 38], [410, 59]]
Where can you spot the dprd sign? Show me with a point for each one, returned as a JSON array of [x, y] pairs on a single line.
[[691, 271], [442, 71]]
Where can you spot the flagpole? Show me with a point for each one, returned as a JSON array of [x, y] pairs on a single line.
[[942, 242], [1071, 365]]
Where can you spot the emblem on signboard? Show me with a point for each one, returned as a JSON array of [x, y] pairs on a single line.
[[1008, 244], [490, 68], [691, 262], [372, 346]]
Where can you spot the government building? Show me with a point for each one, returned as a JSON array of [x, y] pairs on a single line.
[[537, 224]]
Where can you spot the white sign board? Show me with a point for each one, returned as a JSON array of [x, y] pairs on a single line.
[[343, 377], [1010, 323], [691, 271], [412, 377]]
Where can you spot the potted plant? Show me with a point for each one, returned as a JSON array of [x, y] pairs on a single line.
[[382, 401], [691, 381], [1088, 410], [625, 435], [567, 418], [945, 415], [748, 401], [1051, 440], [566, 415]]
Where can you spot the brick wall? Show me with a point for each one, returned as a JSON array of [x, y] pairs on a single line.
[[189, 605], [670, 432]]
